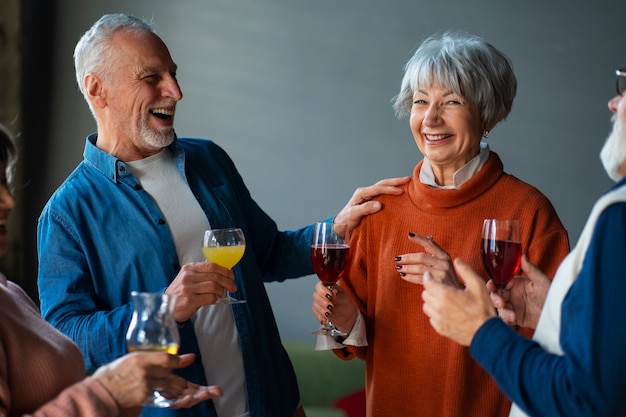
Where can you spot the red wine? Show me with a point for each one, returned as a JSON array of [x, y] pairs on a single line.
[[501, 259], [329, 262]]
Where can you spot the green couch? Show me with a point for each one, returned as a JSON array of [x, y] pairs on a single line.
[[323, 378]]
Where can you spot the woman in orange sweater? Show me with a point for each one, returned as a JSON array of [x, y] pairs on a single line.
[[456, 89], [42, 372]]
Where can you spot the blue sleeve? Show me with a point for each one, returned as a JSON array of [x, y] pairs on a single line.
[[589, 379]]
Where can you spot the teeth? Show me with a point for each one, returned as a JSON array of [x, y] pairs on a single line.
[[436, 137], [166, 112]]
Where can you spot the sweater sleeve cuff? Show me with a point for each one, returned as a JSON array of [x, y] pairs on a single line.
[[489, 341]]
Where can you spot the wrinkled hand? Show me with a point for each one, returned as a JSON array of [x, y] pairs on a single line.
[[360, 204], [133, 378], [436, 261], [199, 284], [336, 306], [522, 300], [457, 313]]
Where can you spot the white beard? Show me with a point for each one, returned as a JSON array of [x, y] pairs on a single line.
[[613, 153]]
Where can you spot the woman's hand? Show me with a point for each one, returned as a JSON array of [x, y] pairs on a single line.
[[336, 306], [434, 259], [134, 377]]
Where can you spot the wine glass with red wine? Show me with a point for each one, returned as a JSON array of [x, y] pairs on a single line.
[[329, 254], [501, 250]]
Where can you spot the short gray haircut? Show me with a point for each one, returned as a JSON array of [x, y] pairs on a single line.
[[468, 65], [93, 52]]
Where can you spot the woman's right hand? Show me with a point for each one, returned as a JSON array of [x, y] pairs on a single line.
[[435, 260], [133, 378], [336, 306]]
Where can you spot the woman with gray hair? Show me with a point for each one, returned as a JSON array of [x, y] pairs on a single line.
[[456, 89]]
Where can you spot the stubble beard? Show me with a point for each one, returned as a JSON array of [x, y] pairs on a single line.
[[157, 139]]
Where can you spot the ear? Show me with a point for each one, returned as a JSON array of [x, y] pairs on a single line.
[[94, 89]]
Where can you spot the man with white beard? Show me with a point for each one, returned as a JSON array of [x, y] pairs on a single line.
[[576, 363]]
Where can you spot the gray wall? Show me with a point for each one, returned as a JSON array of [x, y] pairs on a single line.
[[298, 92]]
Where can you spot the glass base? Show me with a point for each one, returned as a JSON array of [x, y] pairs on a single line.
[[230, 300], [158, 401], [329, 330]]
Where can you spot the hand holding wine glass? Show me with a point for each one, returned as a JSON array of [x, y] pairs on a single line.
[[153, 328], [501, 250], [224, 247], [329, 254]]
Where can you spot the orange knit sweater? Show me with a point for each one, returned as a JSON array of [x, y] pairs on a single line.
[[42, 372], [410, 369]]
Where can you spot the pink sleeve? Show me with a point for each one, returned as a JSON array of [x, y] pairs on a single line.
[[85, 398]]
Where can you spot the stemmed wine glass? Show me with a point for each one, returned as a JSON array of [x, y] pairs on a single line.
[[329, 254], [153, 328], [224, 247], [501, 250]]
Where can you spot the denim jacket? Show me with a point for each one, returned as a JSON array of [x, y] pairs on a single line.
[[101, 236]]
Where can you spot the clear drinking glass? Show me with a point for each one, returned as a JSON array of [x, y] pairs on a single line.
[[224, 247], [329, 254], [501, 250], [153, 328]]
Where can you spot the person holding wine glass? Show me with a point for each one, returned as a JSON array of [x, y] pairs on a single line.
[[330, 251], [131, 217], [576, 362], [456, 89], [501, 250], [41, 370]]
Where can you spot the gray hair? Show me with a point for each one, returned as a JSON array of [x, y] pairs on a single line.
[[93, 52], [469, 66]]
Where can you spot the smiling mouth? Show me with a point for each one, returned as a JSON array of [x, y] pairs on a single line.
[[435, 138], [161, 113]]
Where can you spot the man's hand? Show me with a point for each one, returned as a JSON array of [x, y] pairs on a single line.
[[457, 313], [522, 300], [360, 204], [199, 284]]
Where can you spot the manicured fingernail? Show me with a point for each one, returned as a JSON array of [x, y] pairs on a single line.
[[329, 307], [327, 314], [328, 296], [398, 266], [397, 258], [403, 274], [411, 234]]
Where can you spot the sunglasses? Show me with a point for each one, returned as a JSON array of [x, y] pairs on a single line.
[[620, 82]]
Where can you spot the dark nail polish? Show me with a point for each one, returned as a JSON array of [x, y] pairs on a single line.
[[403, 274], [397, 258], [327, 314], [328, 296], [329, 307], [411, 234], [398, 266]]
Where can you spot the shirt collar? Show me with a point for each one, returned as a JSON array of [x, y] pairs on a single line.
[[112, 167], [464, 174]]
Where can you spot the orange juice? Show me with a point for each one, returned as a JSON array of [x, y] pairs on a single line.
[[226, 256]]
